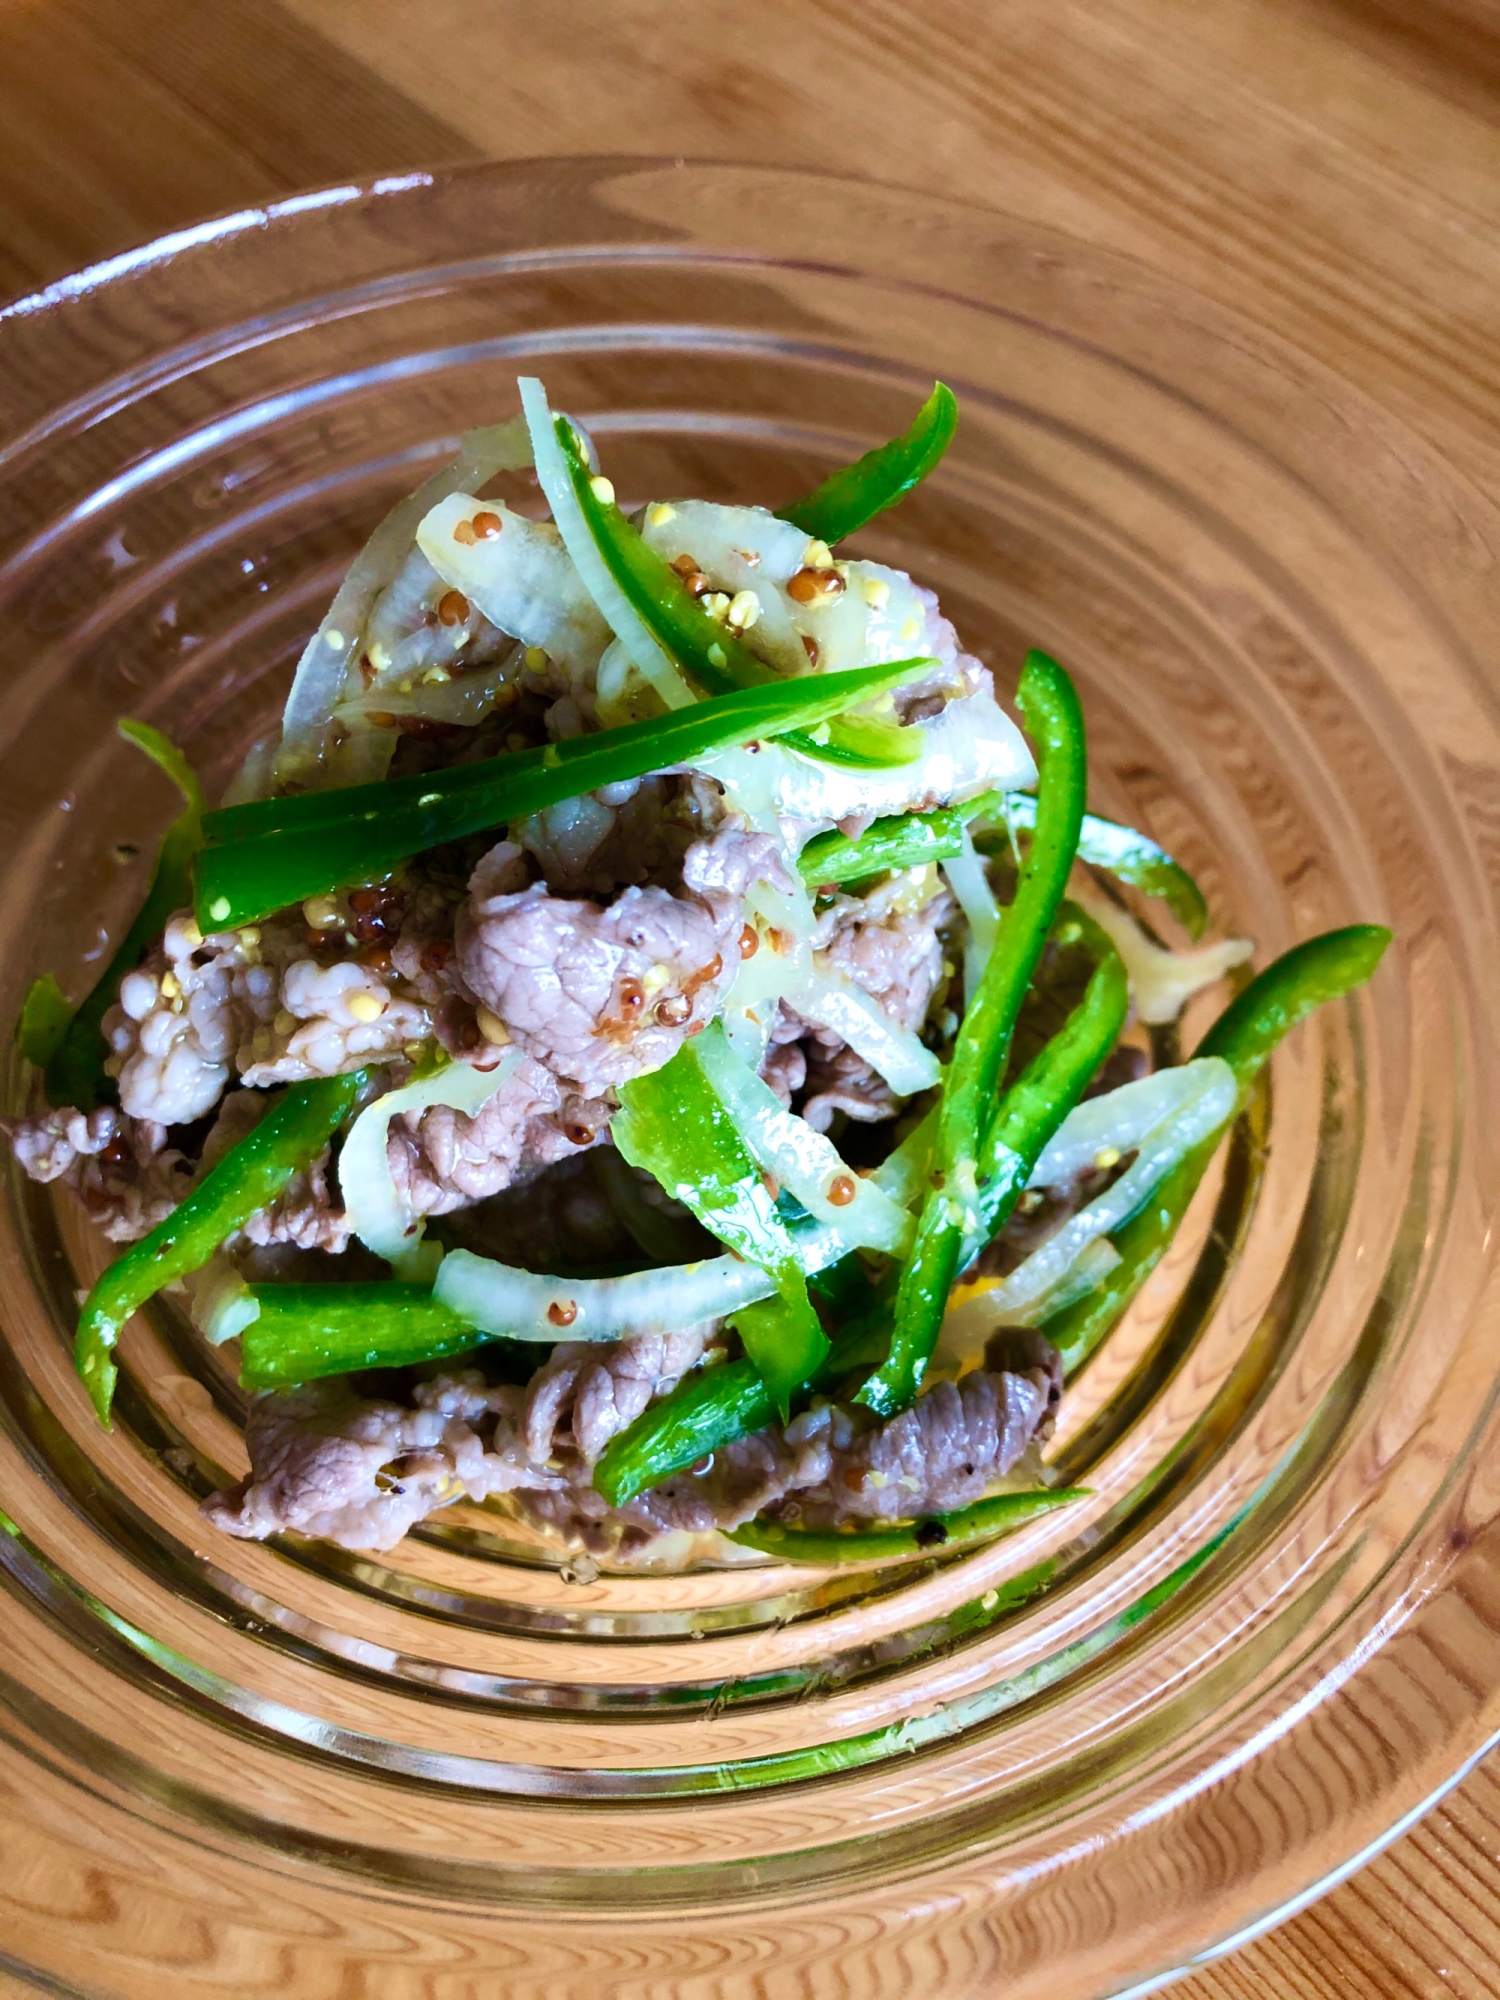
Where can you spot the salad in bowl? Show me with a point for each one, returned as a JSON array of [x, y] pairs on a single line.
[[652, 1036]]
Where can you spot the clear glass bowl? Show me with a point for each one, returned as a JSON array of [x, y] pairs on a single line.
[[1061, 1766]]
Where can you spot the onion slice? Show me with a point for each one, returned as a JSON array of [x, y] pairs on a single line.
[[845, 1010], [971, 885], [619, 614], [325, 658], [803, 1161]]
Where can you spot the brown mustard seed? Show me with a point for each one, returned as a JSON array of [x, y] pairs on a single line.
[[749, 941], [487, 526], [463, 533], [562, 1312], [815, 586], [381, 718], [673, 1009], [842, 1190], [579, 1134], [436, 955], [453, 608], [810, 647], [632, 996]]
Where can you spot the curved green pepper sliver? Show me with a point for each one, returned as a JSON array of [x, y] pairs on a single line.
[[1049, 704], [1302, 979], [909, 840], [849, 498], [909, 1541], [249, 1175]]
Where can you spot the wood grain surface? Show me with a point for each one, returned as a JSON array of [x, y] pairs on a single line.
[[1327, 166]]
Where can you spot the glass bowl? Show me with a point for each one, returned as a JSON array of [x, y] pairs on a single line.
[[1064, 1765]]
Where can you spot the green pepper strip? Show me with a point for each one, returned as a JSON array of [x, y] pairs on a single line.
[[68, 1043], [1002, 1514], [304, 1332], [709, 652], [272, 852], [674, 1124], [848, 499], [249, 1175], [714, 1407], [1119, 851], [1049, 704], [1324, 968], [1030, 1112], [909, 840]]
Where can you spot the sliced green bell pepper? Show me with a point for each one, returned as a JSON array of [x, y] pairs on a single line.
[[1049, 704], [1302, 979], [250, 1174], [906, 1541], [674, 1124], [849, 498], [269, 853]]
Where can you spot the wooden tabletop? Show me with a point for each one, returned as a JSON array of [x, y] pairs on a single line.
[[1327, 166]]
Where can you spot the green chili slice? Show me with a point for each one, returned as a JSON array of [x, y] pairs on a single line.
[[1118, 850], [1302, 979], [848, 499], [269, 853], [304, 1332], [1049, 705], [713, 655], [249, 1175], [67, 1043], [910, 840], [906, 1541], [674, 1124]]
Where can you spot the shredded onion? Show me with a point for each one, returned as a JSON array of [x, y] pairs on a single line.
[[327, 654], [220, 1303], [979, 1310], [522, 579], [803, 1160], [499, 1299], [971, 747], [376, 1212], [619, 614], [1203, 1111], [895, 1052], [971, 885], [1161, 982]]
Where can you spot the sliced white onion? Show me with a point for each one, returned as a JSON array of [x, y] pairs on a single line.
[[1161, 982], [326, 656], [1160, 1150], [971, 885], [894, 1052], [526, 1305], [803, 1160], [981, 1310], [619, 614], [1118, 1121], [377, 1214], [972, 746], [522, 579], [220, 1303]]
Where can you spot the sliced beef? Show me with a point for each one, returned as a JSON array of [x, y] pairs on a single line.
[[325, 1462], [828, 1466], [600, 995], [126, 1174], [442, 1159]]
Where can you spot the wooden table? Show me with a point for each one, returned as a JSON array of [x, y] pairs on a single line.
[[1329, 166]]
